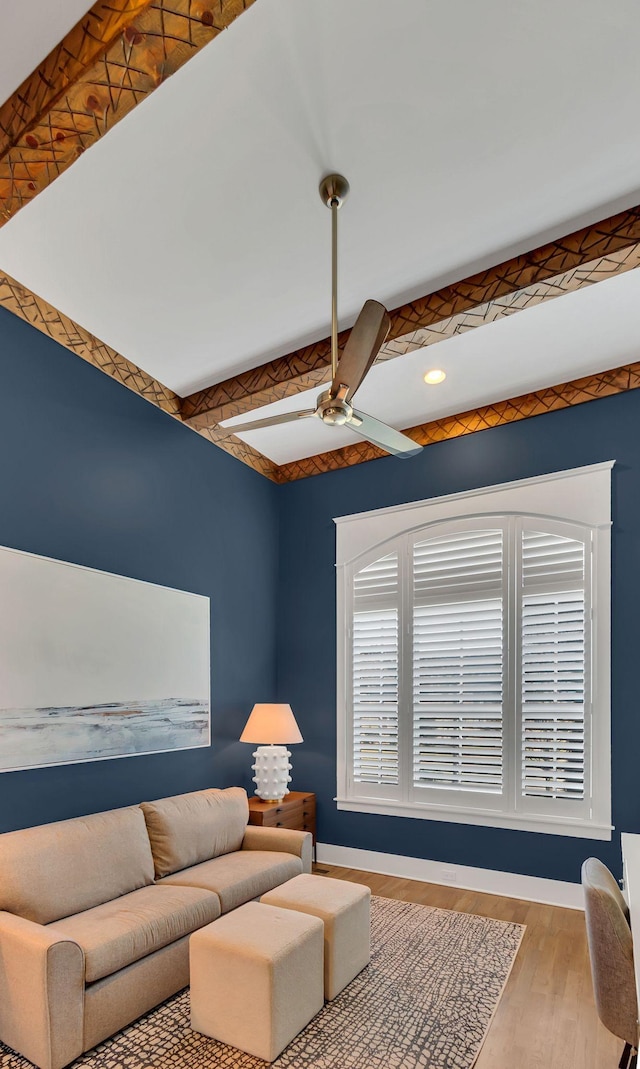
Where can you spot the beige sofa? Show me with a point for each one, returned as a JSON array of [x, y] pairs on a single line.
[[96, 912]]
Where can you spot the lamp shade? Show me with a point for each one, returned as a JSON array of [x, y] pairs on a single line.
[[274, 724]]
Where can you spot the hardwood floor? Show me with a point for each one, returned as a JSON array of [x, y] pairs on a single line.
[[546, 1018]]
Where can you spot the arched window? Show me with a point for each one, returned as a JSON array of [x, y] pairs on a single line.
[[473, 665]]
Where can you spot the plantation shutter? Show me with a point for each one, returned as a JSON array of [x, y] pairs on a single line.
[[474, 667], [375, 673], [554, 666], [458, 662]]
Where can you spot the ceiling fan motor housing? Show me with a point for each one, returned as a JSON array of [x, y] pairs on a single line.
[[333, 410]]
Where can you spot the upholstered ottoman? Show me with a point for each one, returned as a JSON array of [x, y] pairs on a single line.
[[344, 909], [256, 977]]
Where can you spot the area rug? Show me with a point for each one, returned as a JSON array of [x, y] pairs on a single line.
[[425, 1002]]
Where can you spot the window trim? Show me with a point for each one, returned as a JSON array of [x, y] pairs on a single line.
[[363, 538], [482, 818]]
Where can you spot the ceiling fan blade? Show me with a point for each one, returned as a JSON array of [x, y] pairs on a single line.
[[270, 421], [380, 434], [367, 335]]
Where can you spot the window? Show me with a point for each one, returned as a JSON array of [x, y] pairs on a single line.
[[473, 657]]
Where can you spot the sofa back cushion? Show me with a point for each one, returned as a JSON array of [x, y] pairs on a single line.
[[55, 870], [190, 828]]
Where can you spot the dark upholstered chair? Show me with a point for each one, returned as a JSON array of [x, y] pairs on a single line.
[[611, 956]]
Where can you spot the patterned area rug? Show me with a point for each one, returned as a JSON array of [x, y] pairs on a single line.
[[425, 1002]]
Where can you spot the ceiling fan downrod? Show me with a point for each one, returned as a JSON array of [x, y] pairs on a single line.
[[348, 369], [334, 189]]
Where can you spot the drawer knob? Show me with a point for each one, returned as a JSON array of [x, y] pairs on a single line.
[[279, 824]]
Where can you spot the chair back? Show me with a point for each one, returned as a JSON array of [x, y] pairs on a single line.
[[610, 951]]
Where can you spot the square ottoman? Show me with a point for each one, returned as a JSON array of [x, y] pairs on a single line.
[[256, 977], [344, 909]]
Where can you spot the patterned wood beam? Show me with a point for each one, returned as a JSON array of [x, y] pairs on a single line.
[[577, 392], [82, 46], [45, 318], [241, 451], [108, 63], [580, 259], [615, 263]]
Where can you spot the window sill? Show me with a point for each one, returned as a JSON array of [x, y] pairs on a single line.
[[487, 819]]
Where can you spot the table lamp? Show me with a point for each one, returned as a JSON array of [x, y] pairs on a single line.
[[272, 726]]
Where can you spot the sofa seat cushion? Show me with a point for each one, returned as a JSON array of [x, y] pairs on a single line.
[[239, 877], [118, 933]]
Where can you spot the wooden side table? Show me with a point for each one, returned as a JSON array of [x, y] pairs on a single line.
[[297, 810]]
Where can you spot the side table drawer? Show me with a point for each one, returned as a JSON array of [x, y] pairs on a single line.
[[298, 817], [297, 812]]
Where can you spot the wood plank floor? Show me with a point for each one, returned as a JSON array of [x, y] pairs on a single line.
[[546, 1018]]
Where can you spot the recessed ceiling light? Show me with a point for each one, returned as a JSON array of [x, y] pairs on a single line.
[[435, 376]]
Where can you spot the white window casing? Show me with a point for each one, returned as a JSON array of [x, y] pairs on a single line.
[[474, 656]]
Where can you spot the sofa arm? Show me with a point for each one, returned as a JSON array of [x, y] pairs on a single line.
[[41, 992], [287, 841]]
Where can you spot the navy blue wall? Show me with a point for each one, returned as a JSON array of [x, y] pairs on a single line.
[[601, 430], [90, 473]]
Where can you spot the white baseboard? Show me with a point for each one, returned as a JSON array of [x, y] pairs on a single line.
[[507, 884]]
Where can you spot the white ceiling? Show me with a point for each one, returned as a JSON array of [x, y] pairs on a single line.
[[28, 32], [192, 238], [581, 333]]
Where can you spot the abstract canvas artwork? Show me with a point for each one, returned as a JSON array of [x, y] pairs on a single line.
[[96, 666]]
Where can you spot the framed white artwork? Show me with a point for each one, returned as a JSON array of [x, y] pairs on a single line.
[[96, 666]]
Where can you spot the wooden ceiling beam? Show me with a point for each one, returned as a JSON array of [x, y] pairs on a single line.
[[118, 53], [66, 64], [551, 399], [17, 299], [45, 318], [580, 259]]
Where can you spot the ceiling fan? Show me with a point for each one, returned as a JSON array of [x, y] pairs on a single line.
[[348, 369]]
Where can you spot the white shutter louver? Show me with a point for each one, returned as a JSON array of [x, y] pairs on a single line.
[[553, 666], [375, 673], [458, 661]]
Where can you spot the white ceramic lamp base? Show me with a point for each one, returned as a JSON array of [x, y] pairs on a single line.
[[271, 769]]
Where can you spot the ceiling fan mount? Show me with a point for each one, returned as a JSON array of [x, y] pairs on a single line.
[[348, 368], [334, 190]]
